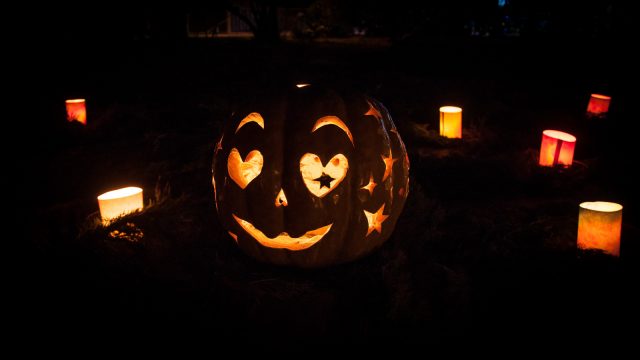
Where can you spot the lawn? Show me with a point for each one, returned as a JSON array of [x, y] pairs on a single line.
[[484, 251]]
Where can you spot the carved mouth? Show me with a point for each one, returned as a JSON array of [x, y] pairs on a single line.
[[283, 240]]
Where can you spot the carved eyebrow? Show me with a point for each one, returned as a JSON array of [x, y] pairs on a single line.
[[253, 117], [333, 120]]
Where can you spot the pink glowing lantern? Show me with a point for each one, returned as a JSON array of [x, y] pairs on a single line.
[[598, 105], [77, 111], [557, 148], [600, 226]]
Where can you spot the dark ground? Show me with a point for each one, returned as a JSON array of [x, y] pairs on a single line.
[[484, 253]]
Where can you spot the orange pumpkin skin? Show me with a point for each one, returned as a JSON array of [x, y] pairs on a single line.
[[310, 176]]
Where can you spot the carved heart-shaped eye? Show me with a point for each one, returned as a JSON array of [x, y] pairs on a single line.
[[319, 179], [242, 172]]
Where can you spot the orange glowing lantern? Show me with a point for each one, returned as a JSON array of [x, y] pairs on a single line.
[[599, 226], [557, 148], [116, 203], [451, 122], [77, 111], [598, 105]]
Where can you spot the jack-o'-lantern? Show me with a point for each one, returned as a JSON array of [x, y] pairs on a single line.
[[310, 176]]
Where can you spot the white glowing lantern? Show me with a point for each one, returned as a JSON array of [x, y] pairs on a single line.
[[116, 203]]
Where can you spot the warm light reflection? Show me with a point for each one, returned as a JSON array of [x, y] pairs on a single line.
[[283, 240], [600, 226], [243, 172], [128, 232], [312, 169], [451, 122], [76, 110], [557, 148], [332, 120], [253, 117], [116, 203], [598, 104], [300, 86]]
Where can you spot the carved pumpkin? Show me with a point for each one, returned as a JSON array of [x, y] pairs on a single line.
[[310, 177]]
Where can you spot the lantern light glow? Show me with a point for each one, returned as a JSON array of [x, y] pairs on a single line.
[[116, 203], [598, 105], [451, 122], [600, 226], [77, 110], [557, 148]]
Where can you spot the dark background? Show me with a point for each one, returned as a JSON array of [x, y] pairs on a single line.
[[483, 254]]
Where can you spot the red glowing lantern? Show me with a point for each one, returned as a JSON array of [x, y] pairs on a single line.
[[598, 105], [77, 111], [557, 148], [599, 226]]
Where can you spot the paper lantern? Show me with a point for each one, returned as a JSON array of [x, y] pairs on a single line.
[[599, 226], [598, 105], [557, 148], [77, 111], [119, 202], [451, 122], [310, 176]]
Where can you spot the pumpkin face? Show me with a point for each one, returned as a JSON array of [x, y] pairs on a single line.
[[310, 177]]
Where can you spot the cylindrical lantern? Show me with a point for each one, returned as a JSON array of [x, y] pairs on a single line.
[[77, 111], [598, 104], [119, 202], [557, 148], [451, 122], [599, 226]]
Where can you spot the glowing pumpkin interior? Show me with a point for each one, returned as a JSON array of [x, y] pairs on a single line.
[[310, 179]]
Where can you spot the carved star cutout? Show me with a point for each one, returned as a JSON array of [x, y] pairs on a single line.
[[388, 166], [325, 180], [219, 145], [370, 186], [375, 220], [406, 191], [373, 111]]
